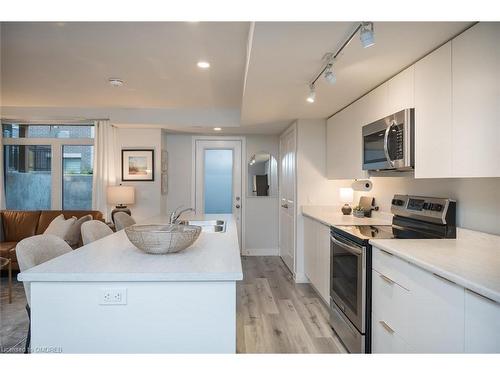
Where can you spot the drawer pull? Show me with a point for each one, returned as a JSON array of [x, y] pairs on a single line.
[[386, 279], [444, 278], [386, 327], [386, 252], [480, 295]]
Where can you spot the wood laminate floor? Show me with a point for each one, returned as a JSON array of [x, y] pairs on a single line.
[[13, 317], [275, 315]]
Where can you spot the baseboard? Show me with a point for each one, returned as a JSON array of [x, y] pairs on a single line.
[[261, 252], [301, 278]]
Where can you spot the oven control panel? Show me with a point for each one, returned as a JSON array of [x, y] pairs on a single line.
[[423, 208]]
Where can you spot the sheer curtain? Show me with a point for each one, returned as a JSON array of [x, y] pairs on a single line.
[[104, 165], [2, 190]]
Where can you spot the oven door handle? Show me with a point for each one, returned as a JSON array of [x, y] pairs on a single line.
[[352, 249], [386, 143]]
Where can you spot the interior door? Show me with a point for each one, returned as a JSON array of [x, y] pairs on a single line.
[[218, 179], [287, 198]]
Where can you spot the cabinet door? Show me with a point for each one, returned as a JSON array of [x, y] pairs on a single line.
[[376, 104], [482, 324], [344, 144], [323, 261], [476, 101], [436, 313], [433, 118], [310, 245], [400, 91]]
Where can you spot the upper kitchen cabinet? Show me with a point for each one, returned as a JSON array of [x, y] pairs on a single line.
[[476, 101], [433, 114], [400, 92], [344, 149]]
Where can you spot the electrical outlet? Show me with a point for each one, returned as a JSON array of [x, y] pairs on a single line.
[[113, 296]]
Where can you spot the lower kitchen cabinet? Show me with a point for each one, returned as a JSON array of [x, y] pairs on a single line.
[[482, 324], [414, 310], [317, 256]]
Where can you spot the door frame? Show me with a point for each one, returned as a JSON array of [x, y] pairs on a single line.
[[292, 128], [242, 139]]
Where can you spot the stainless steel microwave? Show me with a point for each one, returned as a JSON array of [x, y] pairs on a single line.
[[388, 144]]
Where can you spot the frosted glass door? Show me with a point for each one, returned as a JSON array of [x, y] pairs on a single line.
[[218, 181]]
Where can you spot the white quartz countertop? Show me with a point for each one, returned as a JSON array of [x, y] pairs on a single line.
[[472, 260], [213, 257], [331, 216]]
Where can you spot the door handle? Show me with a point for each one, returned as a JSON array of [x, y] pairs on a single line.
[[284, 205], [386, 326], [237, 206], [386, 143]]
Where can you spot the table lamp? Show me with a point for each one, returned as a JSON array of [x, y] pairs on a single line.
[[346, 197], [120, 196]]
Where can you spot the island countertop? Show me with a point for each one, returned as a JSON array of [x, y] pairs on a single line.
[[213, 257]]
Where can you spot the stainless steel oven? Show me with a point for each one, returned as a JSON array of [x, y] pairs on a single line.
[[348, 291], [388, 144]]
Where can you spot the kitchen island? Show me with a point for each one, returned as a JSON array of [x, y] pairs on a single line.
[[110, 297]]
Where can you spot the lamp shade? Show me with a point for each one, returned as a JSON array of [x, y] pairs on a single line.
[[121, 194], [346, 195]]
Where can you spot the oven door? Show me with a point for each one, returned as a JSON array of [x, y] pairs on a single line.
[[348, 279]]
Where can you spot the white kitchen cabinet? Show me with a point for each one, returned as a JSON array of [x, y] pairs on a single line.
[[476, 101], [433, 115], [344, 147], [482, 324], [375, 105], [317, 256], [423, 312], [400, 91]]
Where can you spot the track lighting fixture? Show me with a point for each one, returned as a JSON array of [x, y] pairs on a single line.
[[366, 34], [367, 38], [312, 94], [330, 74]]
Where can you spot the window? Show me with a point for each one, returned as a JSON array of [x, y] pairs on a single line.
[[218, 181], [77, 179], [48, 166], [28, 177]]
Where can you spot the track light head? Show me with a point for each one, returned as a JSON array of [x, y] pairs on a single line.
[[330, 74], [312, 94], [367, 35]]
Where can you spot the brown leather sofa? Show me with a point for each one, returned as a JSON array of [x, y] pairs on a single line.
[[18, 225]]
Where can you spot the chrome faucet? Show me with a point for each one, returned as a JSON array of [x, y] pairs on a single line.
[[174, 216]]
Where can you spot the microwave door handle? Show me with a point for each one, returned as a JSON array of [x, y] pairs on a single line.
[[386, 143], [352, 249]]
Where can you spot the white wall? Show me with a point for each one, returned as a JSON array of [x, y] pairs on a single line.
[[313, 188], [478, 199], [180, 158], [147, 194], [261, 214]]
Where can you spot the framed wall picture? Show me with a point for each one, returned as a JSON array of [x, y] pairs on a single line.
[[138, 165]]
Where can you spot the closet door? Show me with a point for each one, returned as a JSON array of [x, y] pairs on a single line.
[[287, 197]]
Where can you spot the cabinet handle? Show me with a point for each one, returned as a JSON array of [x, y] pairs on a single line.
[[386, 327], [443, 278], [480, 295], [386, 252], [386, 279]]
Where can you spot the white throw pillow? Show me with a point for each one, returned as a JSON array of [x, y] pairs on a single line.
[[60, 226]]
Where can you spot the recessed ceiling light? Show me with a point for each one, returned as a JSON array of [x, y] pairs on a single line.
[[115, 82], [203, 65], [217, 129]]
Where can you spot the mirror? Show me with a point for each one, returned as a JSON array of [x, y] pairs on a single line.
[[262, 175]]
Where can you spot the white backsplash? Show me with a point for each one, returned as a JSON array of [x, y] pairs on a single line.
[[478, 199]]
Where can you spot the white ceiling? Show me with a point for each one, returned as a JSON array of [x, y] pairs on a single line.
[[68, 64], [286, 56], [60, 70]]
